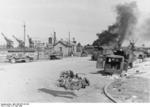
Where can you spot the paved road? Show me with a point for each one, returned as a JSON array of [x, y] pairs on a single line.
[[36, 81]]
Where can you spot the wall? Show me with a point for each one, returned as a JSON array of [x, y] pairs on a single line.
[[65, 50]]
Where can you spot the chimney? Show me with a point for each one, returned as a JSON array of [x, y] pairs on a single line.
[[54, 38], [50, 40]]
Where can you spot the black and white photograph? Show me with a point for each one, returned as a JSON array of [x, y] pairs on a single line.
[[74, 51]]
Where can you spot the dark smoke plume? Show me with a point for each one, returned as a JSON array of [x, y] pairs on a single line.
[[126, 20], [124, 27]]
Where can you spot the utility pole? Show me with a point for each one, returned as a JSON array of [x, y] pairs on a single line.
[[69, 38], [24, 26], [54, 38], [69, 45]]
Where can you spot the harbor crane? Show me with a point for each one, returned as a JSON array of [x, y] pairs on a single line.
[[21, 42], [8, 41], [31, 43]]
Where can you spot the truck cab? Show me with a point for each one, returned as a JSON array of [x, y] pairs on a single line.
[[112, 64]]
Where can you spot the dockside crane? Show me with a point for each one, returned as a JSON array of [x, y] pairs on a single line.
[[8, 41], [31, 43], [21, 42]]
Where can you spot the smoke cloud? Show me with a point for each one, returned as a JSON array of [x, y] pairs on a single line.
[[122, 29], [132, 23], [144, 29], [126, 20]]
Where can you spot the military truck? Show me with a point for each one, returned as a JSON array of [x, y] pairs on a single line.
[[18, 55], [113, 64], [55, 55], [102, 50]]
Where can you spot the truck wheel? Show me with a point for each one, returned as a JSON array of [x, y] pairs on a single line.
[[13, 60], [31, 59], [27, 60]]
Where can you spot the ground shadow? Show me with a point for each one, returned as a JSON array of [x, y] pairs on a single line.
[[65, 94], [102, 72]]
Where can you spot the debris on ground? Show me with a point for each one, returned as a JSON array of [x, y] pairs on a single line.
[[131, 89], [72, 81], [115, 76], [137, 71]]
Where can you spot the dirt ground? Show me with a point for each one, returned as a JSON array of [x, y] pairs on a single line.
[[134, 88], [36, 81]]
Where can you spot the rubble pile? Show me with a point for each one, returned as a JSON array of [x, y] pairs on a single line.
[[72, 81]]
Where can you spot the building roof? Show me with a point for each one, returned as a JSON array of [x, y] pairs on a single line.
[[65, 43]]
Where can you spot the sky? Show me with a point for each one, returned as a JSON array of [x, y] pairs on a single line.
[[82, 18]]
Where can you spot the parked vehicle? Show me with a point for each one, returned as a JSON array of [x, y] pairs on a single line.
[[55, 55], [84, 54], [19, 57], [113, 64]]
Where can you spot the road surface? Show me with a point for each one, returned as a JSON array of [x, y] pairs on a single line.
[[36, 81]]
